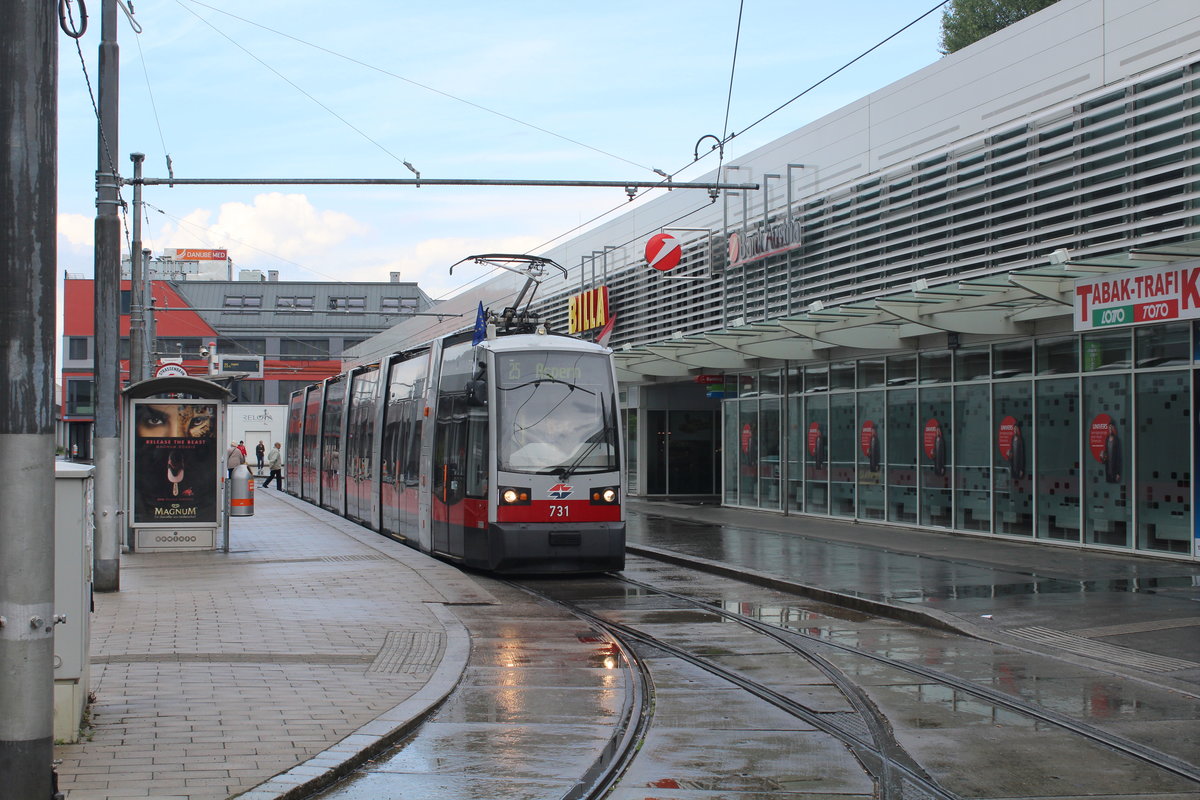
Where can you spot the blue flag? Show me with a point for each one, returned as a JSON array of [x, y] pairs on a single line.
[[480, 327]]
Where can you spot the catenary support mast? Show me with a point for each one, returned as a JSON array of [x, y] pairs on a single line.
[[106, 440], [28, 207]]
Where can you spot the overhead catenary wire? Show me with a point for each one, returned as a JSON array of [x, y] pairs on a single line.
[[412, 82]]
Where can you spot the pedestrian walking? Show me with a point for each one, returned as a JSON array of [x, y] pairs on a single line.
[[234, 457], [260, 451], [242, 446], [275, 464]]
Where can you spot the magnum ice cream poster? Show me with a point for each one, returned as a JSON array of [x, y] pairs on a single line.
[[174, 462]]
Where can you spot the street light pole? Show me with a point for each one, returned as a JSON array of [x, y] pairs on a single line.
[[106, 440], [28, 252]]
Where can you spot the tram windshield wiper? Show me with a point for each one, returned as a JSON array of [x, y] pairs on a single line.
[[602, 436], [540, 381]]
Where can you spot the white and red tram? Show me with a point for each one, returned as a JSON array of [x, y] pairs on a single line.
[[501, 455]]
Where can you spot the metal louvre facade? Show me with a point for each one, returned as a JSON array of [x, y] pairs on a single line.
[[1111, 171]]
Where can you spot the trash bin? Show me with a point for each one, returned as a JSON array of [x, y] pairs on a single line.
[[241, 492]]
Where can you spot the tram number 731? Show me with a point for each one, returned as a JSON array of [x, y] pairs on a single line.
[[560, 511]]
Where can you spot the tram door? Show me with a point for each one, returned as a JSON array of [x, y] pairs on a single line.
[[449, 456]]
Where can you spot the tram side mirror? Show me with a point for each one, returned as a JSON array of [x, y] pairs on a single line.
[[477, 387], [477, 392]]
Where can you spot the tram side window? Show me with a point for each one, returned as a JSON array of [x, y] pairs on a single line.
[[477, 453]]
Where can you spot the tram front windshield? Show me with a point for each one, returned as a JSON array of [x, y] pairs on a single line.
[[556, 413]]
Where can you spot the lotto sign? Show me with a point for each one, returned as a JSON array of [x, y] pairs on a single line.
[[1156, 294], [663, 252]]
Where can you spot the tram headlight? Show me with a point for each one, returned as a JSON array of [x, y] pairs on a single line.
[[514, 496], [605, 496]]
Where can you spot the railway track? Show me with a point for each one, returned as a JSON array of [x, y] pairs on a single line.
[[866, 731]]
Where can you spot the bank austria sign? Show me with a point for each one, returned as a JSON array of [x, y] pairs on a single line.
[[1156, 294]]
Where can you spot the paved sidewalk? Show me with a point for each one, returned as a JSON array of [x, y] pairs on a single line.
[[312, 644]]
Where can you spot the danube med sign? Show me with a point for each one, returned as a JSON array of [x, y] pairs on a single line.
[[1157, 294]]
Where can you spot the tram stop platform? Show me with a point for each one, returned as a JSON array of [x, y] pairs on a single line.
[[315, 643]]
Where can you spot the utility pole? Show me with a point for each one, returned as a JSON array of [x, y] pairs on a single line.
[[106, 560], [137, 361], [28, 210]]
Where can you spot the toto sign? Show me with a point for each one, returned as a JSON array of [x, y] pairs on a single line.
[[663, 252]]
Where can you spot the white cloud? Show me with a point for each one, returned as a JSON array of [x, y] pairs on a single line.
[[276, 225]]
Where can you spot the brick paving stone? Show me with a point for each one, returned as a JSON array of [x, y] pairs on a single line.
[[214, 672]]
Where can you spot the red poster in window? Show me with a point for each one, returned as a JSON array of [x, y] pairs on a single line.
[[933, 432], [1004, 440], [747, 435], [866, 437], [814, 438], [1098, 435]]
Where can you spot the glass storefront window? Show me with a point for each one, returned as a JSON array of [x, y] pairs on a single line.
[[1106, 459], [1163, 345], [972, 457], [816, 378], [935, 366], [747, 452], [843, 444], [902, 441], [870, 456], [816, 448], [1012, 458], [795, 380], [841, 376], [1057, 437], [1012, 360], [769, 383], [1164, 474], [972, 364], [732, 460], [747, 384], [870, 373], [902, 369], [1058, 356], [770, 471], [1107, 350], [936, 470], [795, 453]]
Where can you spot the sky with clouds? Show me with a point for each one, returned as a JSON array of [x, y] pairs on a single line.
[[459, 89]]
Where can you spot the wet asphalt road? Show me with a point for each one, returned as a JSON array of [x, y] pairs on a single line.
[[543, 691]]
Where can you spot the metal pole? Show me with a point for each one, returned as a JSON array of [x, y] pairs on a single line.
[[137, 361], [107, 274], [148, 321], [28, 251]]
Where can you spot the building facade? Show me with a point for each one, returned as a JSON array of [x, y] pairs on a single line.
[[298, 329], [897, 325]]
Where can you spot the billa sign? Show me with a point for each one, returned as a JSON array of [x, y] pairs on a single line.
[[1156, 294], [588, 310]]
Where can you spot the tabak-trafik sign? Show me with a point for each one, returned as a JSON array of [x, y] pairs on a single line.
[[1156, 294]]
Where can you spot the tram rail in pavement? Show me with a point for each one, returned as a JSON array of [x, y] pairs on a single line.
[[1129, 614]]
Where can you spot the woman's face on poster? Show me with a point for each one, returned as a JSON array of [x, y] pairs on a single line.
[[176, 421]]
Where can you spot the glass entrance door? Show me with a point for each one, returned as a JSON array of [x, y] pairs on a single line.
[[684, 453]]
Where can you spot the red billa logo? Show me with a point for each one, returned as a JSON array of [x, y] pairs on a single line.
[[561, 491]]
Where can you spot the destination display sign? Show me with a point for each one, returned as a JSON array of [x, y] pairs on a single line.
[[1156, 294]]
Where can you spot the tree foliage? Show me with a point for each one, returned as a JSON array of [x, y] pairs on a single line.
[[965, 22]]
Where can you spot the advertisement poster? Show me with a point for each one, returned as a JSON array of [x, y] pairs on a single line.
[[174, 462]]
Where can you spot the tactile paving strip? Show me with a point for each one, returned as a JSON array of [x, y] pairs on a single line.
[[413, 652], [1104, 652]]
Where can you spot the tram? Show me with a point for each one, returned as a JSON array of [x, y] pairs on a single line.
[[499, 451]]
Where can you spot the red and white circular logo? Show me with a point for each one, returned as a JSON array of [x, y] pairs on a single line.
[[663, 252]]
